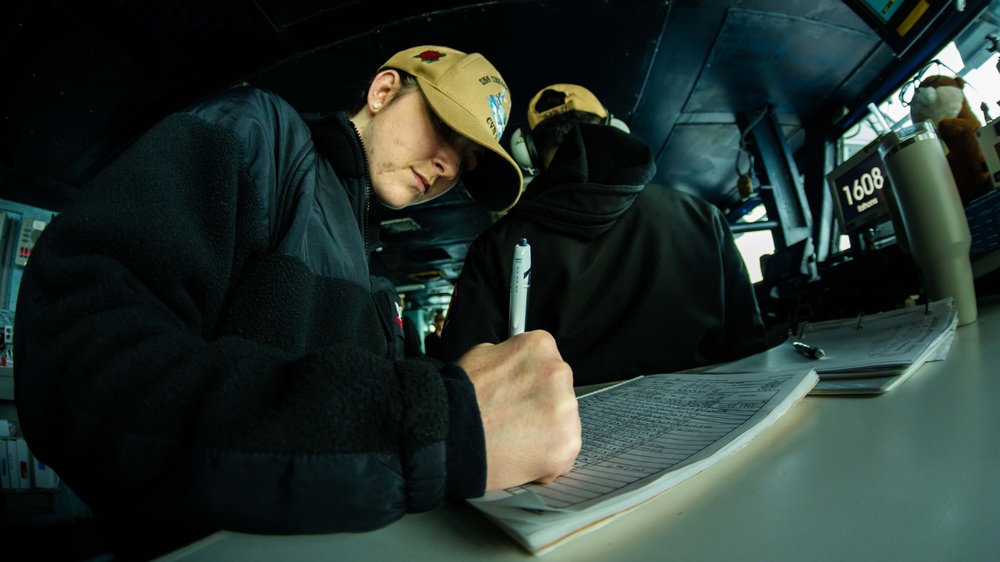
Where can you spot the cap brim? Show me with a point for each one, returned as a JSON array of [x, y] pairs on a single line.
[[496, 182]]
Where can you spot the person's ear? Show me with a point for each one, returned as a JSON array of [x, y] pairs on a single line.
[[383, 87]]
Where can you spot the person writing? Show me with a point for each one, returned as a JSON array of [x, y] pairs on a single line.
[[200, 344], [630, 277]]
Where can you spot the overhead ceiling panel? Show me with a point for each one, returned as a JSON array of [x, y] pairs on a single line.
[[700, 159], [742, 71]]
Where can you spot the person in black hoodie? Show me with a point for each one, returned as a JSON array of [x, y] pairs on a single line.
[[201, 343], [631, 278]]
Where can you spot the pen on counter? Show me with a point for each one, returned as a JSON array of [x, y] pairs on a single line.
[[809, 351], [520, 281]]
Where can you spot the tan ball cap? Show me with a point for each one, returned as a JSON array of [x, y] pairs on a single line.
[[469, 95], [577, 98]]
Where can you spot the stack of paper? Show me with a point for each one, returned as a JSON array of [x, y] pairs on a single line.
[[865, 355], [641, 438]]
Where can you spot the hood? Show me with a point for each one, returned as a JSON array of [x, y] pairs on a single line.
[[593, 179]]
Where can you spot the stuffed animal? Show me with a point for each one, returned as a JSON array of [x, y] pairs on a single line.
[[940, 99]]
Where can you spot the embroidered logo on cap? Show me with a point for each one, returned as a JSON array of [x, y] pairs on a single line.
[[499, 122], [430, 56]]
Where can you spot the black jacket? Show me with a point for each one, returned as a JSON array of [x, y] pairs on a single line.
[[630, 278], [199, 338]]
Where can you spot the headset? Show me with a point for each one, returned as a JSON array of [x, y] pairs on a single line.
[[522, 146]]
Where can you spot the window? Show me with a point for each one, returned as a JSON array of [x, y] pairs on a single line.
[[754, 244]]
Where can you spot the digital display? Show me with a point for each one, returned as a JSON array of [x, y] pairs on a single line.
[[859, 188], [898, 22], [884, 8]]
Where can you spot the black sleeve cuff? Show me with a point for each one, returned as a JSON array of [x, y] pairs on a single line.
[[466, 463]]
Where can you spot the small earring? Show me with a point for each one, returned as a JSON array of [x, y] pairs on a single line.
[[375, 105]]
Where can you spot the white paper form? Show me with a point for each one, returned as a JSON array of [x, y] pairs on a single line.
[[641, 438], [884, 345], [636, 432], [881, 385]]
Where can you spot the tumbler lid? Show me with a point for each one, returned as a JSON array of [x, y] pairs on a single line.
[[898, 139]]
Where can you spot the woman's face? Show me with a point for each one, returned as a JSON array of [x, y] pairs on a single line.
[[413, 156]]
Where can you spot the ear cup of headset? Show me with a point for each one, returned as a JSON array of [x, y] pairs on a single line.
[[618, 123], [522, 149]]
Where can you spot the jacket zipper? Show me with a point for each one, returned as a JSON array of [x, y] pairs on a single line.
[[366, 231]]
